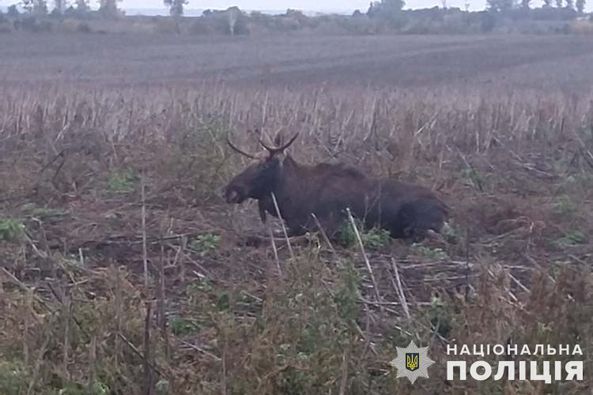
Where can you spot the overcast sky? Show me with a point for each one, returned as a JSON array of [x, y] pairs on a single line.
[[305, 5]]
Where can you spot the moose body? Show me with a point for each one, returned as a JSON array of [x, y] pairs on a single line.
[[327, 190]]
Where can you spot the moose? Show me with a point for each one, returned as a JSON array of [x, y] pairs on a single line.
[[296, 191]]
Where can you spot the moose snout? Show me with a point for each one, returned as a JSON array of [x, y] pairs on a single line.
[[233, 194]]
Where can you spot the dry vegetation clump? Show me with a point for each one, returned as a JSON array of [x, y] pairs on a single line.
[[122, 271]]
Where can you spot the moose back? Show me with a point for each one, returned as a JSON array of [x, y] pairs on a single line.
[[327, 190]]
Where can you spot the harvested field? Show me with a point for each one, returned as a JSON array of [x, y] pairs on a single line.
[[559, 62], [122, 271]]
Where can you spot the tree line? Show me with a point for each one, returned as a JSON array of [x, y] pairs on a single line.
[[381, 16], [377, 9]]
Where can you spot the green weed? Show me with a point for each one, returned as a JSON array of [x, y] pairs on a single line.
[[14, 378], [440, 316], [431, 253], [205, 243], [122, 181], [474, 178], [347, 296], [372, 239], [564, 205], [11, 229], [572, 238], [182, 326]]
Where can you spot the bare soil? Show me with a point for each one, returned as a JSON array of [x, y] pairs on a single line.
[[550, 62]]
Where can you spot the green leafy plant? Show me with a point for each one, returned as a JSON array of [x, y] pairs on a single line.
[[474, 178], [347, 296], [97, 388], [373, 239], [183, 326], [11, 229], [431, 253], [440, 316], [14, 378], [205, 243], [376, 238], [572, 238], [346, 235], [564, 205], [122, 181], [451, 232], [163, 387]]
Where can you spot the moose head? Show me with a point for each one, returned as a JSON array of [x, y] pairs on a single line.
[[260, 178]]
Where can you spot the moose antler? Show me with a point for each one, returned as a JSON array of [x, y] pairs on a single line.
[[238, 150], [276, 150]]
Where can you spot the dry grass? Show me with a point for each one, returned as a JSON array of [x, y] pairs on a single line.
[[516, 169]]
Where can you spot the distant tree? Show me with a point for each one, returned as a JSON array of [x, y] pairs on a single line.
[[40, 8], [525, 4], [175, 7], [390, 10], [59, 7], [487, 21], [559, 3], [570, 4], [27, 5], [82, 7], [500, 5], [547, 3], [108, 8], [233, 15], [13, 11], [580, 6], [35, 7]]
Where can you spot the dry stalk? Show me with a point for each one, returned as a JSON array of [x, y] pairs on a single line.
[[92, 364], [208, 353], [147, 384], [81, 257], [283, 226], [161, 301], [365, 257], [519, 283], [27, 314], [224, 367], [323, 234], [144, 243], [39, 361], [67, 309], [139, 354], [160, 291], [345, 360], [274, 249], [118, 313], [179, 258], [399, 289]]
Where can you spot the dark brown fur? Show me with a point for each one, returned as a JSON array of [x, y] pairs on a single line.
[[407, 211]]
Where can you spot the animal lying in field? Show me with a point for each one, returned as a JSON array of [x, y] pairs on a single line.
[[327, 190]]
